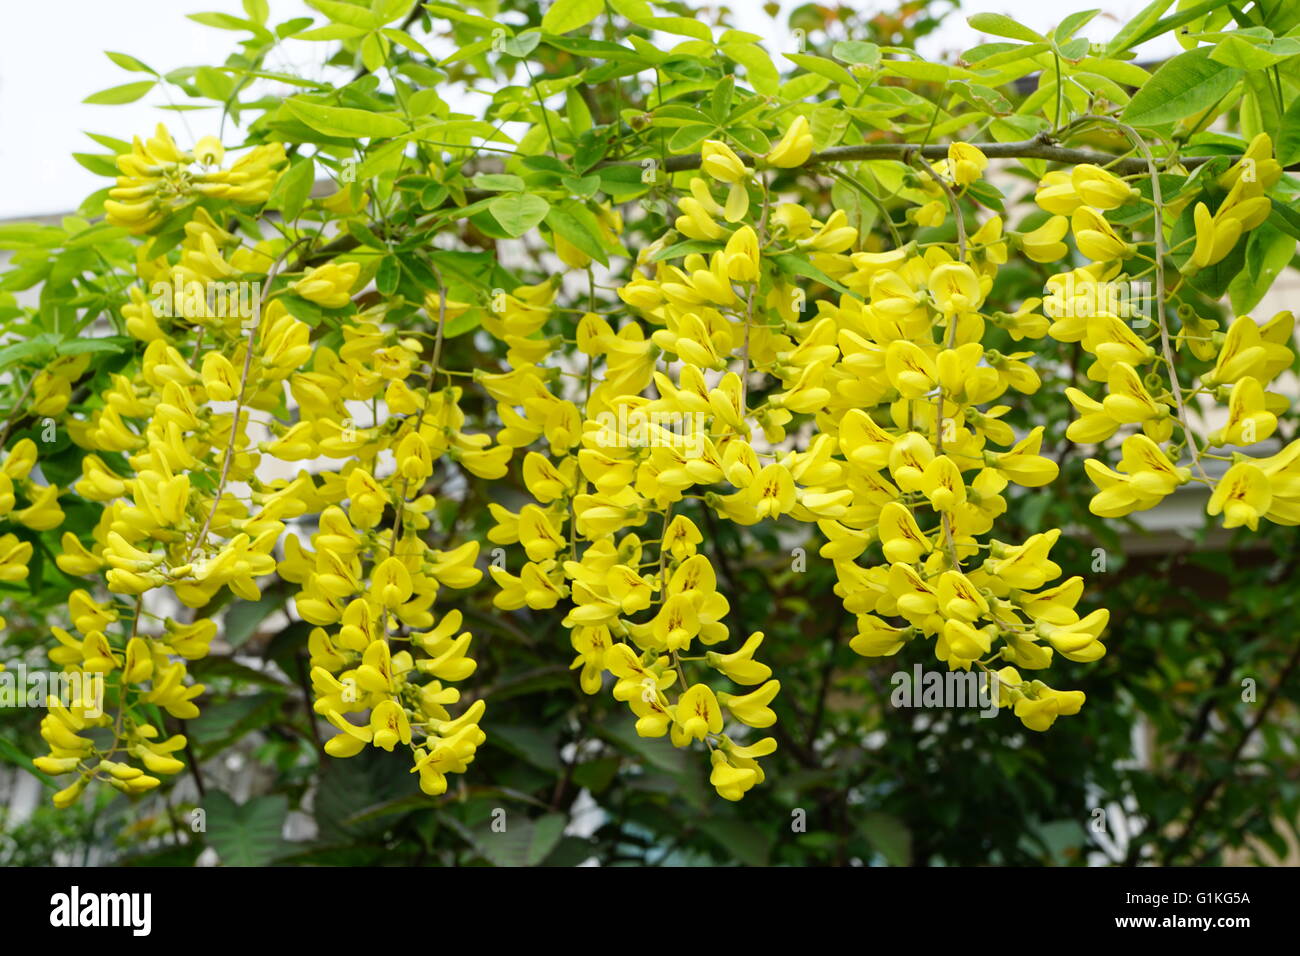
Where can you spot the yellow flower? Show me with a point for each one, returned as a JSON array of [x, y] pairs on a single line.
[[795, 146], [696, 715], [1044, 243], [955, 288], [1096, 238], [752, 708], [1241, 496], [741, 255], [720, 162], [1099, 188], [329, 285], [1249, 421], [967, 163], [740, 665]]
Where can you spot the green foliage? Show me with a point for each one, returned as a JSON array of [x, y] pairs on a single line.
[[591, 102]]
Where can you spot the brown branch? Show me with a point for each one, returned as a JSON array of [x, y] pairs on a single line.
[[1203, 802], [1041, 147]]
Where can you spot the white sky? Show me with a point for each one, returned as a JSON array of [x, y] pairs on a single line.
[[51, 58]]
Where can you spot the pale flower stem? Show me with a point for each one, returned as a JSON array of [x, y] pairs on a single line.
[[949, 338], [1141, 144], [249, 345]]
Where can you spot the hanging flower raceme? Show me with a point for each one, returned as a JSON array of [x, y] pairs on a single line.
[[278, 416], [177, 452]]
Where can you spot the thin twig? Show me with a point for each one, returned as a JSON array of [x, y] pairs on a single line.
[[1037, 148], [1158, 199], [249, 345], [13, 412]]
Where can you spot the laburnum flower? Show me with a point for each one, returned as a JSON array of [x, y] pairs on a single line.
[[165, 456], [967, 163], [329, 285], [794, 147], [1242, 496], [721, 162], [158, 177], [710, 388], [1045, 244]]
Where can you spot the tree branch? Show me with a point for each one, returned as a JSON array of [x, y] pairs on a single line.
[[1040, 147]]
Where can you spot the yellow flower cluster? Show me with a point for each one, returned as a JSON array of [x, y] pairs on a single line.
[[1094, 307], [908, 454], [877, 416], [158, 177], [184, 460]]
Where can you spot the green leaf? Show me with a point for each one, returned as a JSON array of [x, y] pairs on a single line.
[[519, 212], [498, 182], [759, 69], [1238, 52], [469, 19], [1288, 143], [888, 835], [36, 351], [536, 746], [129, 63], [922, 71], [373, 52], [656, 753], [857, 52], [680, 26], [1073, 24], [822, 67], [388, 275], [246, 834], [1187, 84], [345, 121], [567, 15], [222, 21], [16, 235], [1016, 53], [294, 187], [116, 95], [243, 618], [1002, 26], [522, 45], [523, 842], [680, 249], [115, 344], [689, 137], [404, 39], [304, 310], [576, 224], [98, 164], [333, 31], [1169, 23], [1148, 15], [1286, 219], [352, 15], [584, 187], [747, 842], [799, 265], [983, 98], [1075, 49], [10, 753], [1268, 252]]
